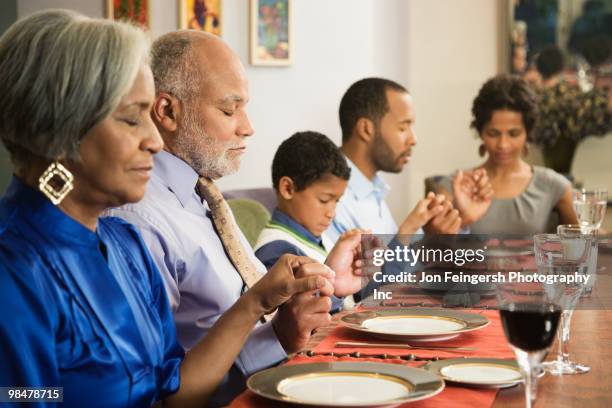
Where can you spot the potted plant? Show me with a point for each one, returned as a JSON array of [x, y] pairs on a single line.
[[567, 116]]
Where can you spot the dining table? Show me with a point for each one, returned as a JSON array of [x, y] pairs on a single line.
[[590, 344]]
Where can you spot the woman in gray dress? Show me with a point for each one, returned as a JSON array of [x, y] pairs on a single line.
[[525, 196]]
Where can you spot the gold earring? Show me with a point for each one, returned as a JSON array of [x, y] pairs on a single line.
[[56, 190]]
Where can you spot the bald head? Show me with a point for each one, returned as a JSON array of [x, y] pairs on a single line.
[[184, 62]]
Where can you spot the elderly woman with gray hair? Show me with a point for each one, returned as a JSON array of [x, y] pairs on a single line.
[[83, 306]]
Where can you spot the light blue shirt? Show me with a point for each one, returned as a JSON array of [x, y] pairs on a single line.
[[200, 279], [363, 206]]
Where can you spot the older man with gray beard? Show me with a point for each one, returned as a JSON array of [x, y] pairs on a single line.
[[206, 263]]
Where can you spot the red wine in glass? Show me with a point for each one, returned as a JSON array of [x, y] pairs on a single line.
[[530, 327]]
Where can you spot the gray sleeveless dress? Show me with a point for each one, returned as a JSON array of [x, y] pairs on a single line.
[[528, 213]]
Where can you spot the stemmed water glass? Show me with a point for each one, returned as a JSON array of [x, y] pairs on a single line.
[[590, 206], [530, 318], [576, 244]]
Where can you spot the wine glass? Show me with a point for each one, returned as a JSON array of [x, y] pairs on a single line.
[[568, 254], [590, 206], [530, 319]]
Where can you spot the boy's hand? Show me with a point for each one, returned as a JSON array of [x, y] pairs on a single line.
[[343, 260], [364, 264]]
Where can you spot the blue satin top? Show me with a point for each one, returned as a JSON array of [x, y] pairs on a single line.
[[82, 310]]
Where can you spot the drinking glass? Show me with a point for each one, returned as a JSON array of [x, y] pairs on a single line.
[[530, 318], [590, 206], [575, 246]]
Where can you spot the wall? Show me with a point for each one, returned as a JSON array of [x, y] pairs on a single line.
[[441, 50], [92, 8], [336, 43], [452, 47], [332, 50]]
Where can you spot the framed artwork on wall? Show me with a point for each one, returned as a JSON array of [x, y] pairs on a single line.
[[203, 15], [271, 41], [136, 11], [582, 31]]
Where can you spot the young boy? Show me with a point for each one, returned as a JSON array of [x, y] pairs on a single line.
[[310, 175]]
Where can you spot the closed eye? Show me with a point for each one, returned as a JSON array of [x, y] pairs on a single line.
[[130, 122]]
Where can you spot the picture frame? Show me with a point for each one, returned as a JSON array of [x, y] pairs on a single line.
[[271, 37], [580, 29], [134, 11], [202, 15]]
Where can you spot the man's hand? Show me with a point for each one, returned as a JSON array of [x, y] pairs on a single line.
[[305, 312], [424, 211], [473, 194], [446, 222], [282, 282], [343, 260]]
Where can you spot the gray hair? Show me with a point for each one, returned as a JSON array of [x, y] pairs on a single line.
[[61, 74], [172, 63]]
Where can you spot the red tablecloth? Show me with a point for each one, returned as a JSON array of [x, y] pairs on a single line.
[[452, 396], [489, 341]]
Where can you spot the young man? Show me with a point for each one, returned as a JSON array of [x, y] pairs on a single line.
[[377, 118]]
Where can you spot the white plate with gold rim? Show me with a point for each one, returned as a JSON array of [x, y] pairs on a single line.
[[414, 324], [478, 372], [345, 384]]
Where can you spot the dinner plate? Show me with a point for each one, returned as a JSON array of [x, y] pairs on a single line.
[[345, 384], [414, 324], [478, 372]]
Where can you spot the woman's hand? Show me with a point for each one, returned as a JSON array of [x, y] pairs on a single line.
[[280, 283], [473, 194]]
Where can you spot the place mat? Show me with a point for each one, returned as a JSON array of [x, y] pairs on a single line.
[[489, 341], [451, 396]]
